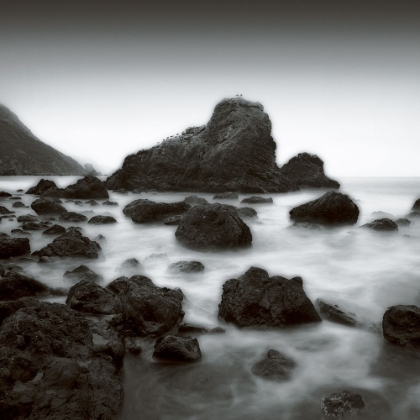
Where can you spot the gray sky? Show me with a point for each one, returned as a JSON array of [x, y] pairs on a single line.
[[339, 79]]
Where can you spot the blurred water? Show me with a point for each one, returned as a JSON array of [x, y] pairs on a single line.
[[364, 271]]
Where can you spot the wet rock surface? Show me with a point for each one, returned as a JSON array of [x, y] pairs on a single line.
[[146, 211], [213, 226], [257, 200], [342, 405], [332, 208], [54, 230], [42, 186], [82, 273], [385, 225], [186, 267], [177, 348], [14, 247], [72, 217], [102, 220], [15, 285], [48, 205], [256, 299]]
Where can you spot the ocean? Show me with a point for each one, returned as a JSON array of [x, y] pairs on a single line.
[[363, 271]]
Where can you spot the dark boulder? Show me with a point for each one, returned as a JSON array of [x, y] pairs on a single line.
[[42, 186], [246, 212], [89, 297], [55, 230], [147, 310], [385, 225], [5, 210], [233, 152], [257, 200], [308, 172], [14, 247], [102, 220], [109, 203], [275, 366], [35, 225], [88, 187], [146, 211], [186, 328], [27, 218], [186, 267], [226, 196], [82, 273], [174, 220], [177, 348], [5, 194], [333, 208], [256, 299], [71, 244], [15, 285], [48, 205], [342, 405], [401, 326], [194, 200], [72, 217], [416, 206], [213, 226], [19, 204], [403, 222]]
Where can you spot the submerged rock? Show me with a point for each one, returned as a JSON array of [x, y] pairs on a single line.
[[176, 348], [14, 247], [48, 205], [275, 366], [416, 206], [71, 244], [257, 200], [186, 267], [382, 225], [256, 299], [35, 225], [403, 222], [87, 296], [213, 226], [130, 267], [5, 210], [19, 204], [102, 220], [146, 211], [72, 217], [42, 186], [147, 310], [109, 203], [82, 273], [246, 212], [401, 326], [342, 405], [233, 152], [333, 208]]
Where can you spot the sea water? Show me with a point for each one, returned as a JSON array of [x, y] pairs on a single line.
[[361, 270]]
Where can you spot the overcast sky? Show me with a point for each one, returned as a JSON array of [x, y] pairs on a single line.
[[339, 79]]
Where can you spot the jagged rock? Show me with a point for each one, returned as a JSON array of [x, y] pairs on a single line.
[[82, 273], [403, 222], [173, 221], [333, 208], [246, 212], [401, 326], [24, 154], [186, 267], [18, 204], [255, 299], [275, 366], [147, 310], [146, 211], [102, 220], [54, 230], [308, 171], [193, 200], [72, 217], [71, 244], [226, 196], [35, 225], [42, 186], [342, 406], [87, 296], [27, 218], [48, 205], [5, 210], [109, 203], [257, 200], [213, 226], [15, 285], [14, 247], [233, 152], [382, 225], [176, 348]]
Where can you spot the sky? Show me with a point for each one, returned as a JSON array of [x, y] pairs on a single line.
[[101, 80]]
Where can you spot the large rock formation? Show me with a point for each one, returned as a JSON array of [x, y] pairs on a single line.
[[21, 153], [233, 152]]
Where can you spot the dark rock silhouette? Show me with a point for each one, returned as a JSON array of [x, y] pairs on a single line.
[[48, 205], [401, 326], [176, 348], [146, 211], [15, 285], [82, 273], [416, 206], [14, 247], [88, 187], [256, 299], [385, 225], [275, 366], [54, 230], [72, 217], [233, 152], [403, 222], [257, 200], [186, 267], [194, 200], [102, 220], [342, 405], [333, 208], [213, 226], [246, 212], [42, 186], [21, 153]]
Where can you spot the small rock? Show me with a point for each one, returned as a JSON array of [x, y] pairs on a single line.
[[102, 220], [340, 406], [246, 212], [186, 267], [82, 273], [19, 204], [132, 347], [257, 200], [385, 225], [109, 203], [27, 218], [403, 222], [54, 230], [72, 217], [275, 366], [176, 348], [194, 200]]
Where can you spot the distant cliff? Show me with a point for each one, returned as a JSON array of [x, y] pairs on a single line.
[[233, 152], [21, 153]]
